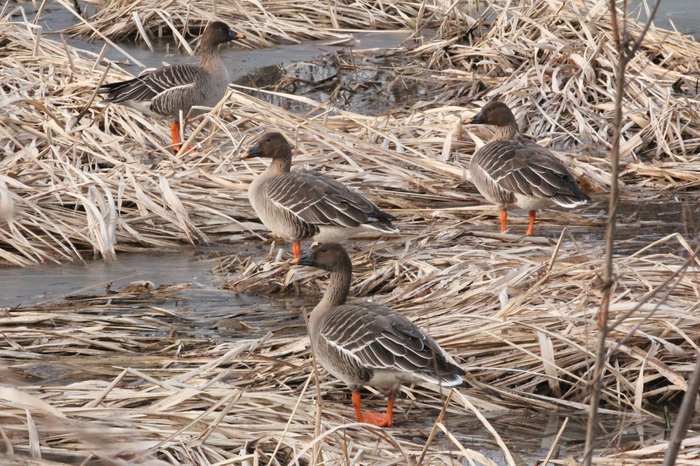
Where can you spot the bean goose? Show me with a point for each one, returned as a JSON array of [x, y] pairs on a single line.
[[300, 204], [512, 171], [167, 91], [370, 344]]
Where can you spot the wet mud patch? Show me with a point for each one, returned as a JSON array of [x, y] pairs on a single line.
[[368, 83]]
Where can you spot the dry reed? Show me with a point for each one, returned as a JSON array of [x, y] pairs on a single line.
[[553, 61], [267, 22], [518, 314]]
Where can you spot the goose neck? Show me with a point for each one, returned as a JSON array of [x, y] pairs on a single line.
[[209, 54], [504, 132], [337, 292], [280, 165]]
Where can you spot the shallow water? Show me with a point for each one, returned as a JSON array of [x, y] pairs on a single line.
[[204, 309], [639, 224], [240, 60], [680, 15], [530, 436], [199, 309]]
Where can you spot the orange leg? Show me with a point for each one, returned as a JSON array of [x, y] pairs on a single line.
[[175, 132], [504, 217], [532, 223], [358, 408], [378, 419], [296, 249]]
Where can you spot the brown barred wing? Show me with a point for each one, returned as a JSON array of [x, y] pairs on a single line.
[[148, 86], [376, 337], [523, 167], [321, 200]]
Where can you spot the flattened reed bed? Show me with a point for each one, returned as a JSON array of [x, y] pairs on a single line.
[[128, 386], [554, 62], [479, 294], [106, 183], [267, 22]]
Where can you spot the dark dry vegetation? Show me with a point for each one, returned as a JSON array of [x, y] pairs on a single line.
[[518, 314]]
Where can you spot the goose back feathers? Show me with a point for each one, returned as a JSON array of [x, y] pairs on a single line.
[[171, 89], [167, 91], [518, 172], [370, 344], [300, 204], [512, 171]]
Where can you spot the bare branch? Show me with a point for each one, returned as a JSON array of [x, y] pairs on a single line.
[[613, 21], [685, 415], [625, 53]]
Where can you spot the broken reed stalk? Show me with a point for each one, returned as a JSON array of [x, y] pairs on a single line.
[[626, 48], [685, 415], [319, 407], [268, 22], [517, 315], [421, 147]]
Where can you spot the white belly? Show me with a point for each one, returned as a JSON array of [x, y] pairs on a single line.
[[332, 234], [531, 203], [383, 379]]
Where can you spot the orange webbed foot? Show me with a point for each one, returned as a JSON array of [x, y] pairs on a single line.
[[380, 420]]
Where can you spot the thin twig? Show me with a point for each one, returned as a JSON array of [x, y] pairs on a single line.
[[685, 415], [624, 55]]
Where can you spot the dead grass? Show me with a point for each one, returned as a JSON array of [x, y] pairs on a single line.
[[520, 318], [553, 62], [519, 314], [269, 22]]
